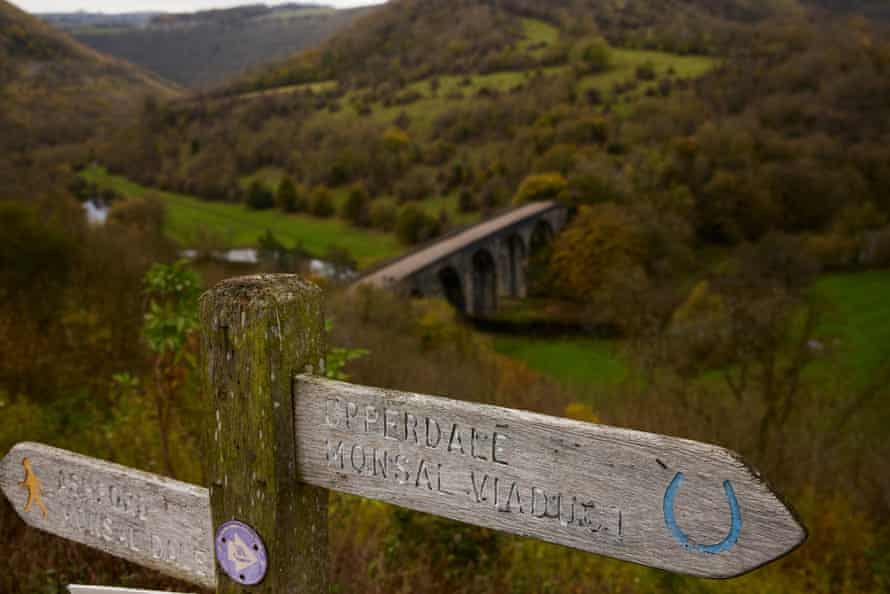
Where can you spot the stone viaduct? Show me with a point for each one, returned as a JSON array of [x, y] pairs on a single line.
[[474, 267]]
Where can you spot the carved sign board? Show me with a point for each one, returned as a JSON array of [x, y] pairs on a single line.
[[145, 518], [659, 501]]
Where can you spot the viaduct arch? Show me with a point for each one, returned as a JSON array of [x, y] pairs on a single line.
[[473, 268]]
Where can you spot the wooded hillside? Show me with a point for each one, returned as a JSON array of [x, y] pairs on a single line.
[[56, 92], [487, 104], [413, 39], [205, 48]]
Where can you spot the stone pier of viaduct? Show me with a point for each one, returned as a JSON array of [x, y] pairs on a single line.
[[474, 267]]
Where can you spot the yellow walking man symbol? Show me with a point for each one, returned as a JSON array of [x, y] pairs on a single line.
[[35, 489]]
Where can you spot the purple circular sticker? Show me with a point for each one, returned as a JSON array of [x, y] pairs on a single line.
[[241, 553]]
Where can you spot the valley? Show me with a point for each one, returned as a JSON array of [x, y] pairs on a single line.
[[719, 269], [203, 49]]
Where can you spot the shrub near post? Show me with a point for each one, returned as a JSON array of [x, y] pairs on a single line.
[[258, 332]]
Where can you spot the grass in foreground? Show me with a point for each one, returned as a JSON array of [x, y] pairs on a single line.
[[232, 225]]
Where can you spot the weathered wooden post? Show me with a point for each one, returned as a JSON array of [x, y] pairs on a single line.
[[257, 334]]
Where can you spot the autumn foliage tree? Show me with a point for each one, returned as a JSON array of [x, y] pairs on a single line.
[[287, 198], [259, 197], [599, 259], [542, 186], [356, 208], [416, 226], [321, 203]]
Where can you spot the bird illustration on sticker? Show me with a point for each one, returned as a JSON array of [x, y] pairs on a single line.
[[35, 489]]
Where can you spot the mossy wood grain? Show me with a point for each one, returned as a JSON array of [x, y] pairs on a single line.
[[257, 332]]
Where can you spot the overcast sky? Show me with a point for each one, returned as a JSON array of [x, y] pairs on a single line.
[[111, 6]]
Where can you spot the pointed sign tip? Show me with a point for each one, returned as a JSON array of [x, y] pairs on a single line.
[[793, 545], [789, 527]]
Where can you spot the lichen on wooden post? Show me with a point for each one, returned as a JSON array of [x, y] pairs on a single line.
[[257, 332]]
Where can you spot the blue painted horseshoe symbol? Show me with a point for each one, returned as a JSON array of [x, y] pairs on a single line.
[[724, 545]]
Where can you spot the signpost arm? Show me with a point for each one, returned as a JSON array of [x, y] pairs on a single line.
[[258, 332]]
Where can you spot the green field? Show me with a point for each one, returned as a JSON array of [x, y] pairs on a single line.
[[856, 326], [576, 362], [624, 63], [858, 319], [233, 225]]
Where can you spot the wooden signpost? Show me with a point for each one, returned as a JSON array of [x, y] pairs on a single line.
[[659, 501], [281, 437]]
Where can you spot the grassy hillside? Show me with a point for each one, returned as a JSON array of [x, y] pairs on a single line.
[[50, 79], [412, 39], [402, 144], [191, 221], [721, 132], [453, 91], [206, 48]]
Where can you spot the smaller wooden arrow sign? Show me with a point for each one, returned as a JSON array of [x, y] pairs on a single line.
[[145, 518]]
